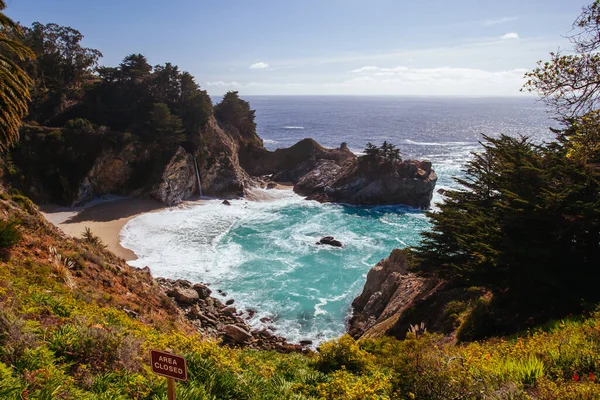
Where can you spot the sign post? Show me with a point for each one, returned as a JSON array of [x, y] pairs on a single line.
[[170, 366]]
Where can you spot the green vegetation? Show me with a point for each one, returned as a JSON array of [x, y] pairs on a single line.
[[9, 234], [80, 110], [525, 214], [92, 239], [387, 153], [236, 113], [14, 81], [56, 342], [526, 226]]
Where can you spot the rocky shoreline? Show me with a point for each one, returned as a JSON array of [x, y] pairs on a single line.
[[213, 318]]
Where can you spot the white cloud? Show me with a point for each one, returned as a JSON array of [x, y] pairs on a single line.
[[259, 65], [403, 80], [510, 36], [498, 21], [222, 84], [365, 69], [379, 71]]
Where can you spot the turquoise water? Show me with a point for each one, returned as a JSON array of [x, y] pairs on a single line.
[[263, 255]]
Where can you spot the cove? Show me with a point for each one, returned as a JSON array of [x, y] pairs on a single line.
[[263, 255]]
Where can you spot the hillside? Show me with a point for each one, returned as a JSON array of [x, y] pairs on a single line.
[[83, 332]]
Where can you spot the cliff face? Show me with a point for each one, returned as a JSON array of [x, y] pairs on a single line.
[[389, 292], [178, 181], [360, 182], [57, 165], [394, 299], [217, 155], [292, 163]]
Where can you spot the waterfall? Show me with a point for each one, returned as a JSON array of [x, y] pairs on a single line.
[[198, 176]]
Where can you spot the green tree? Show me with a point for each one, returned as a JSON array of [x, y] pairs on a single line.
[[371, 150], [165, 127], [387, 153], [236, 113], [526, 225], [570, 83], [62, 63], [14, 81]]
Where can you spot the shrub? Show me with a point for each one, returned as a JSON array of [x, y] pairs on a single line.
[[478, 323], [10, 386], [61, 267], [89, 237], [24, 202], [9, 233], [80, 125], [345, 353]]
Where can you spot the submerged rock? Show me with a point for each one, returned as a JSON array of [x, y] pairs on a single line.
[[226, 203]]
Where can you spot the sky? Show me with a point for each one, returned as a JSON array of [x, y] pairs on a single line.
[[325, 47]]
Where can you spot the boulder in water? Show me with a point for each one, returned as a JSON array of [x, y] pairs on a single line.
[[331, 241], [226, 203]]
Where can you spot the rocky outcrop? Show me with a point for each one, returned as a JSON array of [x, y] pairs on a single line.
[[112, 173], [394, 300], [369, 182], [146, 169], [337, 175], [214, 319], [292, 163], [178, 181], [389, 293], [217, 154]]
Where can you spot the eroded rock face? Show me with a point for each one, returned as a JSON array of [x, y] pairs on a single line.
[[178, 180], [360, 182], [217, 157], [337, 175], [389, 292], [111, 173], [169, 176]]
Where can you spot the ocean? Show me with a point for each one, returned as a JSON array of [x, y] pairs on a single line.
[[263, 254]]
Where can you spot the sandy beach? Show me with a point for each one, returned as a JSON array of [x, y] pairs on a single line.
[[105, 219]]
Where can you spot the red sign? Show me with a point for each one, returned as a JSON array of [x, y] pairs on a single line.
[[169, 365]]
